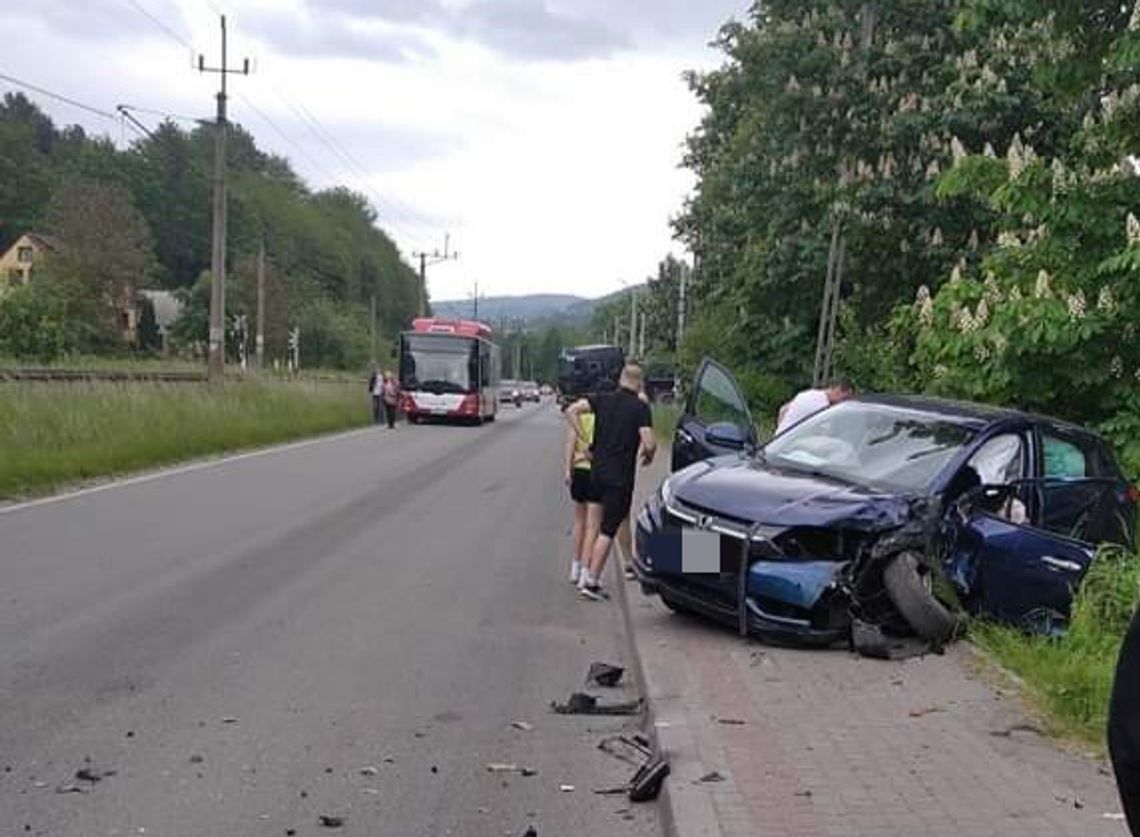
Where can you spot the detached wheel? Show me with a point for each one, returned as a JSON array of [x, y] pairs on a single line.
[[910, 591]]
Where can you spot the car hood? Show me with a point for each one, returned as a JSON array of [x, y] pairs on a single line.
[[746, 489]]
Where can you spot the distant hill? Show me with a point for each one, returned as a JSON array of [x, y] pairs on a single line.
[[530, 308]]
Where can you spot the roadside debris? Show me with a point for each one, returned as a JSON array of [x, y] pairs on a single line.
[[711, 776], [633, 750], [647, 781], [928, 710], [509, 767], [92, 776], [522, 725], [1009, 731], [329, 821], [581, 703], [369, 770], [70, 789], [604, 674], [531, 831], [566, 788], [731, 722]]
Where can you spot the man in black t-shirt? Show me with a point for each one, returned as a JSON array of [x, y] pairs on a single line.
[[623, 425]]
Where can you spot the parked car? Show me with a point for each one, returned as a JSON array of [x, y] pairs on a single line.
[[893, 513], [530, 391]]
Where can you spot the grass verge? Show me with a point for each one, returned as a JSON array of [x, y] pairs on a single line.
[[1070, 677], [665, 418], [55, 434]]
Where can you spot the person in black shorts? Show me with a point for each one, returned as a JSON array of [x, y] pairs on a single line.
[[623, 426], [579, 478]]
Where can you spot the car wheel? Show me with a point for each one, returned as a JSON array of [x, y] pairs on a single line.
[[910, 591]]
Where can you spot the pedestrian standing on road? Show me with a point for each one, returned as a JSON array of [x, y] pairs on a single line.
[[376, 390], [811, 401], [1124, 725], [625, 533], [623, 428], [390, 393], [587, 512]]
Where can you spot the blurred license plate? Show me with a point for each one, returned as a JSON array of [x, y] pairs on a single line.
[[700, 551], [439, 411]]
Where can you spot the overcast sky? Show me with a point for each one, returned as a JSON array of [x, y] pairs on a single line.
[[544, 135]]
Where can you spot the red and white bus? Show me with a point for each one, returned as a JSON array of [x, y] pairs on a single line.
[[449, 369]]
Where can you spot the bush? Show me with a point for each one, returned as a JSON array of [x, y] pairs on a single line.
[[32, 325]]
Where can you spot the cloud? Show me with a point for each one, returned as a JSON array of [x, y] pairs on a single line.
[[104, 20], [527, 29], [337, 36]]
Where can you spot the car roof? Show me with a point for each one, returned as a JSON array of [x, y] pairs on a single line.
[[972, 414]]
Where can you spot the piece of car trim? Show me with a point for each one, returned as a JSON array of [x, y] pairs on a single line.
[[1061, 563], [786, 620]]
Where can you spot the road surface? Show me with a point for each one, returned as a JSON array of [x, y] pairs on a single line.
[[345, 628]]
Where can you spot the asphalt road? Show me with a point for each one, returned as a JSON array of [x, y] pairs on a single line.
[[345, 628]]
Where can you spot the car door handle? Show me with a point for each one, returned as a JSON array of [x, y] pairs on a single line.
[[684, 436], [1061, 564]]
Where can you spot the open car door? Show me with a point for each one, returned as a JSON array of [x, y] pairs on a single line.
[[716, 420]]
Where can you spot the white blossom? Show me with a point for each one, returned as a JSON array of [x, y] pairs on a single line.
[[1016, 157], [982, 315], [793, 85], [1132, 227], [933, 170], [1077, 305], [982, 352], [956, 275], [988, 151], [993, 291], [1008, 239], [936, 239], [972, 242], [1134, 20], [1015, 294], [922, 294], [1117, 367], [926, 312], [1105, 301], [940, 371], [1043, 289], [957, 149]]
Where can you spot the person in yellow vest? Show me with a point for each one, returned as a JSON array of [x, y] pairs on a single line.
[[579, 479]]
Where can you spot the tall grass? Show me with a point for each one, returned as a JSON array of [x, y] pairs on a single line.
[[665, 417], [53, 434], [1070, 676]]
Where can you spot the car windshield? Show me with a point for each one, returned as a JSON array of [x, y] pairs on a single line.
[[873, 445]]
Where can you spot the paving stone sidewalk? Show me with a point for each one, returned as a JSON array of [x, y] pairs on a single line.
[[778, 742]]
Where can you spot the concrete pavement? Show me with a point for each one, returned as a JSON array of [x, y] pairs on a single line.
[[344, 629]]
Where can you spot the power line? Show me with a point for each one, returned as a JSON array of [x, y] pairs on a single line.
[[59, 97], [157, 22]]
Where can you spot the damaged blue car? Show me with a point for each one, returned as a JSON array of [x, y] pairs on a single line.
[[882, 516]]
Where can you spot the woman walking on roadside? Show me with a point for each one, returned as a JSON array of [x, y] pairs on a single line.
[[390, 394]]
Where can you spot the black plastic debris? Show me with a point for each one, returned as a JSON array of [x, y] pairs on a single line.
[[581, 703], [646, 782], [92, 776], [531, 831], [712, 776], [329, 821], [869, 640], [71, 789], [604, 674], [630, 750]]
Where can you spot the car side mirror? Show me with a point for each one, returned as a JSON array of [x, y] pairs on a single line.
[[725, 434]]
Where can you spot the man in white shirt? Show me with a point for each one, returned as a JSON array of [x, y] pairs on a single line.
[[811, 401]]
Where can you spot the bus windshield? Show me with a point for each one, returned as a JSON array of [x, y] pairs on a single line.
[[439, 363]]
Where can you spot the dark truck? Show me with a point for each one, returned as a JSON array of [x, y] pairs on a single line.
[[586, 369]]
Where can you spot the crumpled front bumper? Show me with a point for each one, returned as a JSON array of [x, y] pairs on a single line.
[[786, 599]]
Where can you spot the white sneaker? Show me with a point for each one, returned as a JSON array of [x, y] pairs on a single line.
[[575, 572], [586, 579]]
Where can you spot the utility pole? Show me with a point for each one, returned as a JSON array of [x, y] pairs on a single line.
[[260, 339], [426, 261], [684, 274], [217, 343], [641, 338], [632, 321], [372, 322]]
